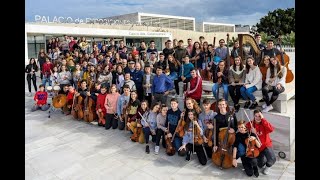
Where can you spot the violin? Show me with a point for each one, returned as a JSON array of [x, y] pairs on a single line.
[[198, 140], [180, 127], [252, 150], [169, 148], [209, 133], [285, 60], [205, 73], [223, 156]]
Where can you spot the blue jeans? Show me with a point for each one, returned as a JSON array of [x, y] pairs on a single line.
[[225, 91], [147, 133], [177, 142], [247, 93], [45, 80], [173, 76]]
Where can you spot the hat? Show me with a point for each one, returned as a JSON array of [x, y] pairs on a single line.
[[131, 62]]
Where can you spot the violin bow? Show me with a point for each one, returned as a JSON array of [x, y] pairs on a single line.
[[251, 126]]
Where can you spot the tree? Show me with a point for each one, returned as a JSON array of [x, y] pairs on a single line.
[[278, 22]]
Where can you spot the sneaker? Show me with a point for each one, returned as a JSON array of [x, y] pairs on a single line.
[[156, 150], [264, 106], [253, 105], [265, 171], [147, 149], [268, 108], [30, 94], [247, 104], [261, 100], [94, 122]]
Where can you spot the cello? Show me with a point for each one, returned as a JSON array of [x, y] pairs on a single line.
[[73, 109], [285, 60], [89, 114], [222, 157], [78, 108], [209, 133], [169, 148]]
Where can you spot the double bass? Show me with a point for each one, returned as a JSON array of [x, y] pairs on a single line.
[[222, 157], [169, 148], [78, 112], [285, 60], [89, 113]]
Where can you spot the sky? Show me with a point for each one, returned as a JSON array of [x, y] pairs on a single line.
[[244, 12]]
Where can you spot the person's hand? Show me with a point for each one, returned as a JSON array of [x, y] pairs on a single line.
[[99, 110], [210, 126], [40, 105], [208, 68], [36, 100], [234, 162], [233, 84], [128, 124], [219, 74], [252, 138], [169, 135], [278, 86], [153, 132], [152, 97], [77, 94], [88, 93], [231, 130], [69, 106], [139, 125], [205, 139], [96, 94], [182, 114], [253, 130], [182, 147], [215, 148], [166, 93], [183, 78]]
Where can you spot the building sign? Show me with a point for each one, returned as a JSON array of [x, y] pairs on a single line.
[[61, 19]]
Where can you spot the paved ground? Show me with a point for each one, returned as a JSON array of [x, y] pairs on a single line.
[[62, 148]]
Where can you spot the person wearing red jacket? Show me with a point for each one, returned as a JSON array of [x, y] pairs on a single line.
[[263, 128], [47, 69], [41, 100], [195, 90], [100, 105], [70, 95]]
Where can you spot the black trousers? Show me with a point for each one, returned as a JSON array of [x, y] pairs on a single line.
[[147, 133], [140, 94], [160, 133], [235, 93], [275, 93], [34, 82], [249, 165], [148, 98], [111, 121], [200, 152], [176, 86], [266, 157]]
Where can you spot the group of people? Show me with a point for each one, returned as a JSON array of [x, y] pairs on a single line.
[[130, 91]]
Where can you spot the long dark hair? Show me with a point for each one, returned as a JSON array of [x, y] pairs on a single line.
[[188, 120], [247, 65], [234, 65], [272, 67]]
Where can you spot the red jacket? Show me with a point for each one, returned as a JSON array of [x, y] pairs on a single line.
[[263, 130], [70, 98], [46, 68], [42, 97], [100, 102], [195, 91]]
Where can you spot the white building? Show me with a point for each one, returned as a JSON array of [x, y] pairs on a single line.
[[37, 35], [158, 20], [215, 27]]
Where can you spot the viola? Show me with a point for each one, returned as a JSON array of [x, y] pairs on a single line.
[[169, 148], [223, 156], [252, 151], [209, 133]]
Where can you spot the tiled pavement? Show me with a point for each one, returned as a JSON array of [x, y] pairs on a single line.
[[63, 148]]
